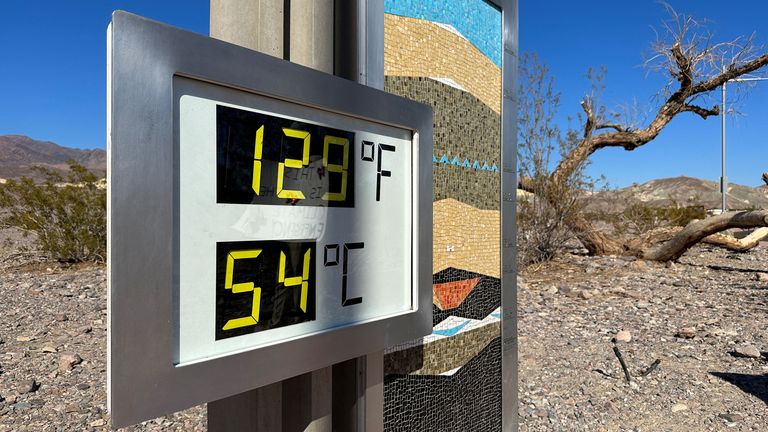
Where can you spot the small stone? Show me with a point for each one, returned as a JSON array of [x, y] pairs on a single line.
[[642, 305], [747, 351], [671, 265], [611, 408], [586, 295], [83, 386], [686, 333], [731, 417], [24, 338], [61, 317], [679, 407], [85, 329], [638, 265], [37, 403], [541, 413], [761, 277], [71, 408], [11, 399], [48, 349], [98, 423], [21, 406], [67, 361], [552, 290], [623, 336], [28, 386]]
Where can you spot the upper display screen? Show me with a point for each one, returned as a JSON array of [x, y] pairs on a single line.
[[267, 159]]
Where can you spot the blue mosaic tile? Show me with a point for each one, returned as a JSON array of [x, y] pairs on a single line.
[[477, 20]]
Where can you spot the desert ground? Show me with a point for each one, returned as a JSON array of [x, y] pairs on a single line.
[[704, 318]]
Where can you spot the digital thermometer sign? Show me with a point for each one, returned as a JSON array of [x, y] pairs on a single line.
[[292, 220], [265, 220]]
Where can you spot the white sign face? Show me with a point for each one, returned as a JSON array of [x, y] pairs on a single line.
[[292, 221]]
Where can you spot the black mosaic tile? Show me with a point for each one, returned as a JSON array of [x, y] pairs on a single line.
[[481, 301], [468, 401]]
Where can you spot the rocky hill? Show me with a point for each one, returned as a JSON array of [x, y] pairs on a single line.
[[682, 190], [18, 154]]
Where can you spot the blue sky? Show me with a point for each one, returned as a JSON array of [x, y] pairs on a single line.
[[52, 75], [570, 36]]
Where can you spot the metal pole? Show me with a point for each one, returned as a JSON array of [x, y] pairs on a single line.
[[346, 397], [723, 178]]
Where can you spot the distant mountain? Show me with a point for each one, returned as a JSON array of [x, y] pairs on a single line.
[[18, 154], [682, 190]]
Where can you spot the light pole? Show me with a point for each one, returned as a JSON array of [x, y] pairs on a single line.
[[723, 178]]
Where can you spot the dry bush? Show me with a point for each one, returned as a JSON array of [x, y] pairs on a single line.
[[67, 215], [639, 219], [542, 224]]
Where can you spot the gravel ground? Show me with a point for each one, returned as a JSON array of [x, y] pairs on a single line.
[[692, 316], [53, 347]]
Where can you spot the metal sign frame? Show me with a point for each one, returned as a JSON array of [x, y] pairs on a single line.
[[143, 58], [508, 247], [509, 339]]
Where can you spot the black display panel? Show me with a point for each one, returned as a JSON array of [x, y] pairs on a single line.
[[267, 159], [261, 285]]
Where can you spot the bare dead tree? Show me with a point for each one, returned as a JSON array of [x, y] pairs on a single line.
[[696, 67]]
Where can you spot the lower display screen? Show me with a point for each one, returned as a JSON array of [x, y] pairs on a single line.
[[262, 285]]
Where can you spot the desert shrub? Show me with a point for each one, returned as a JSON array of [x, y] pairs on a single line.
[[640, 218], [543, 215], [66, 214], [542, 229]]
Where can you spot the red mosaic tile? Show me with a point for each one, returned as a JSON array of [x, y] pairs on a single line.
[[449, 295]]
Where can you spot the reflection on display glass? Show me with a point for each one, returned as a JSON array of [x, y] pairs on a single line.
[[267, 159], [261, 285]]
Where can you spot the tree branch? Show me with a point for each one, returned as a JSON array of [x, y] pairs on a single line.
[[615, 126], [736, 244], [701, 112], [526, 184], [589, 124], [733, 71], [684, 73], [698, 230]]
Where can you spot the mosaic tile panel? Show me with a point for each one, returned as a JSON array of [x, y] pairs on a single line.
[[464, 128], [476, 20], [467, 401], [449, 295], [444, 53], [461, 338], [484, 298], [420, 48]]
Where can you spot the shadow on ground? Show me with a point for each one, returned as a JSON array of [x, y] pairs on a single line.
[[753, 384]]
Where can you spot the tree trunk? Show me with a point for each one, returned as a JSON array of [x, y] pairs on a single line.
[[735, 244], [696, 231], [595, 241]]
